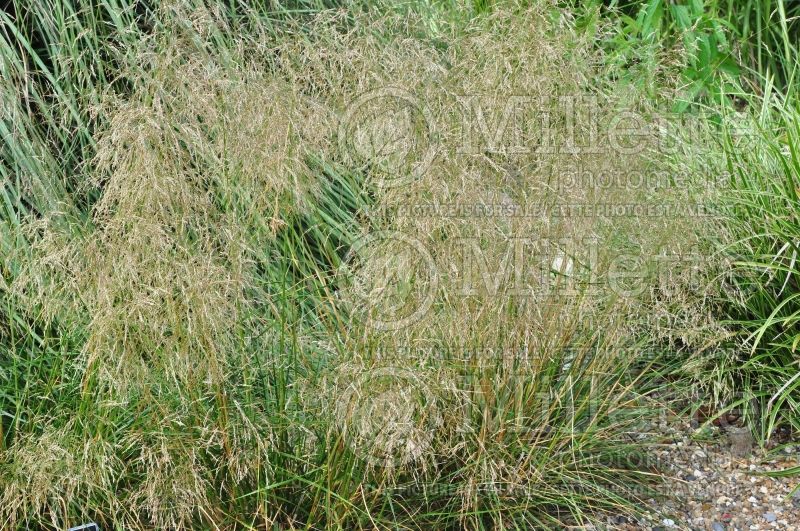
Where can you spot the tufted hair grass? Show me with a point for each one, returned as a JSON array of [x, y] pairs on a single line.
[[185, 340]]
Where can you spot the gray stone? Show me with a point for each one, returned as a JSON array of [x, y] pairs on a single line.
[[716, 526], [770, 517], [741, 441]]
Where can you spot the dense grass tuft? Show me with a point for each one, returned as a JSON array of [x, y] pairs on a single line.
[[234, 294]]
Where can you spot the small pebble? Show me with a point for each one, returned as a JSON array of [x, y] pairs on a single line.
[[770, 517], [796, 499], [716, 526]]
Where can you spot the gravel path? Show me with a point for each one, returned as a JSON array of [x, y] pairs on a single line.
[[717, 486]]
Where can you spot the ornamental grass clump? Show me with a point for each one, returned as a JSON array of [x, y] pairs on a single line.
[[329, 271]]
